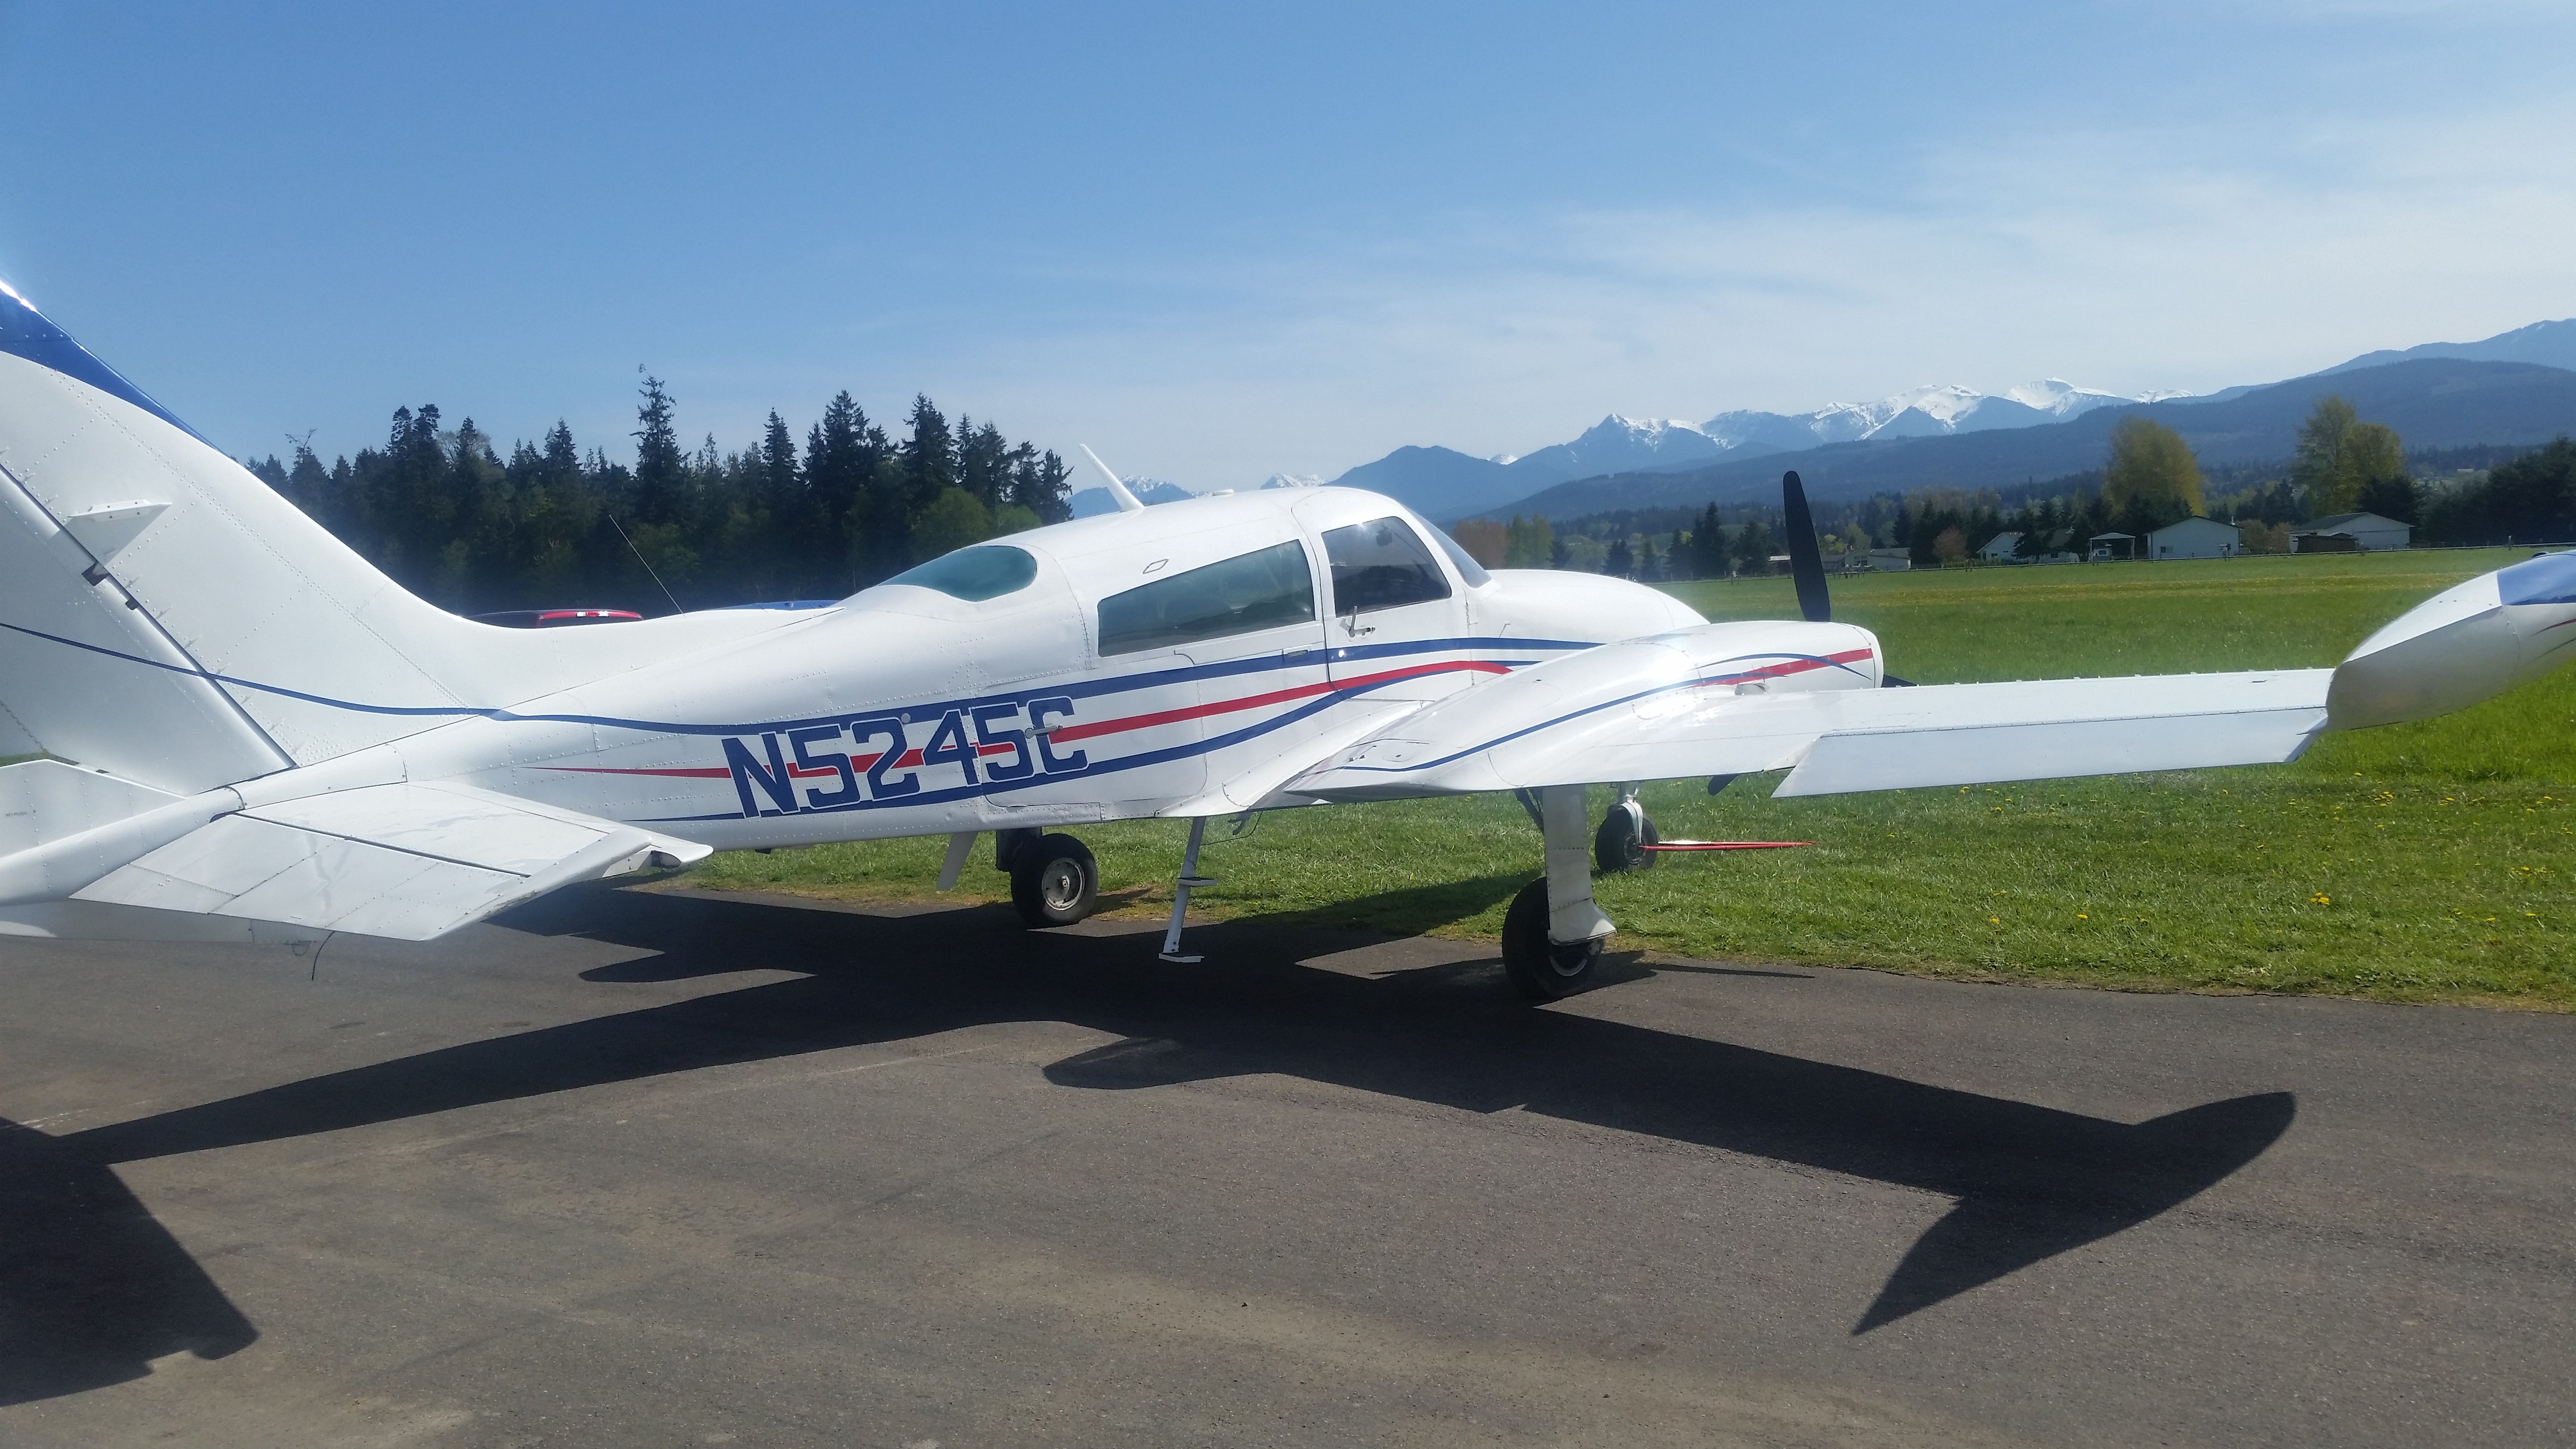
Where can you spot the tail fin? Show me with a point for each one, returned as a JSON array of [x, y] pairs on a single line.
[[168, 617]]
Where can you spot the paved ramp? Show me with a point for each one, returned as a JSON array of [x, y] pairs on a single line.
[[646, 1169]]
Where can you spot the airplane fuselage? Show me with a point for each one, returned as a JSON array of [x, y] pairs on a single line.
[[1141, 668]]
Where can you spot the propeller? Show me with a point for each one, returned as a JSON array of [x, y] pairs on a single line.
[[1806, 561], [1807, 568]]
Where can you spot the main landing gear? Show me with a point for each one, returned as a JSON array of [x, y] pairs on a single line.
[[1552, 933], [1054, 881]]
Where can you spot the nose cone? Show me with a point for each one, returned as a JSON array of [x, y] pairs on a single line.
[[2461, 646]]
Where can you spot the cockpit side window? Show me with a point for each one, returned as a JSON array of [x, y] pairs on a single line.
[[1257, 590], [1381, 564]]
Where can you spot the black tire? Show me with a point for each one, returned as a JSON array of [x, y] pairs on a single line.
[[1620, 844], [1054, 881], [1540, 968]]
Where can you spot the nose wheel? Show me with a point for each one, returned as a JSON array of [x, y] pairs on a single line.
[[1620, 844], [1054, 880]]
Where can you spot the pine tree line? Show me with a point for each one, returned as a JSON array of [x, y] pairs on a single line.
[[556, 526]]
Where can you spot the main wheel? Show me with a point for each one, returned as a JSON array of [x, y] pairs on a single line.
[[1054, 881], [1620, 844], [1542, 969]]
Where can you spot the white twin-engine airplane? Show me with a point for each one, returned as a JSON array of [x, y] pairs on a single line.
[[254, 735]]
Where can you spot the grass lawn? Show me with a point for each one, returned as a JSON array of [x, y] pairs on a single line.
[[2417, 862]]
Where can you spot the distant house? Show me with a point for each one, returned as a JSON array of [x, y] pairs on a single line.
[[1999, 549], [2195, 538], [2351, 533]]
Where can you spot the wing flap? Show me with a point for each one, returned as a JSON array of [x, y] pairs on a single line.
[[408, 861], [1991, 754]]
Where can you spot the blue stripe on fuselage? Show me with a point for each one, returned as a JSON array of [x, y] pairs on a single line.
[[1078, 689]]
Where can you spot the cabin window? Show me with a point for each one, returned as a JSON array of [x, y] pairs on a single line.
[[1258, 590], [1381, 565], [985, 571]]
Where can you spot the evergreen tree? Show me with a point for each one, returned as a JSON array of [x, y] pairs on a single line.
[[308, 483], [1621, 563], [846, 525], [983, 462], [660, 468], [1753, 548], [1708, 545], [1041, 483], [929, 456]]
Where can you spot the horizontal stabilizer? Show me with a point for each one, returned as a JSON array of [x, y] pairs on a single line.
[[42, 801], [408, 861]]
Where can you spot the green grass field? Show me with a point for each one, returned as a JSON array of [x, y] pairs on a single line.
[[2418, 862]]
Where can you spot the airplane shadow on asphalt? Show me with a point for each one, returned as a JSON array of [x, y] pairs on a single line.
[[92, 1289]]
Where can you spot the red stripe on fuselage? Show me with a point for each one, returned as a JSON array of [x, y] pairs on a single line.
[[714, 773], [1070, 733], [911, 759]]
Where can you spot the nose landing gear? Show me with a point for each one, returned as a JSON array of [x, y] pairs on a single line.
[[1620, 844]]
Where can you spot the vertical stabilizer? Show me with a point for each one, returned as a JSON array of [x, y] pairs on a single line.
[[169, 617]]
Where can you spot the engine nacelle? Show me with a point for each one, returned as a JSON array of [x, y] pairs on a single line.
[[2463, 645]]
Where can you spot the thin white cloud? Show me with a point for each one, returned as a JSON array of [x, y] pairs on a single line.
[[2175, 257]]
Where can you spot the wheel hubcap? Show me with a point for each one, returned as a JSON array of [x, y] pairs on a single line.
[[1061, 885]]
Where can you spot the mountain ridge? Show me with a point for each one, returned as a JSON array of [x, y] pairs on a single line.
[[1444, 483], [2432, 402]]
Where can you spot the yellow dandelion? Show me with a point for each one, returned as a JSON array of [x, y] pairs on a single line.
[[2321, 898]]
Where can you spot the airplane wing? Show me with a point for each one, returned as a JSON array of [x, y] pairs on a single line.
[[1699, 702], [410, 861]]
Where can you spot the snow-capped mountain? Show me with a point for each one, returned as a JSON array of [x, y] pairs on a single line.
[[1620, 445], [1443, 483], [1920, 412]]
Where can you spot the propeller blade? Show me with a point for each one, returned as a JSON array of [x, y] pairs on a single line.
[[1806, 561]]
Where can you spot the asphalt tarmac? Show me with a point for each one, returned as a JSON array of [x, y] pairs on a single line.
[[638, 1169]]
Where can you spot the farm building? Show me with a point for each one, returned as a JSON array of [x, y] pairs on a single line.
[[2350, 533], [1999, 549], [2195, 538], [1878, 560], [2113, 545]]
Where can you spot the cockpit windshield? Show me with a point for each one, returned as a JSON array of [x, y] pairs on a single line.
[[1461, 560], [985, 571]]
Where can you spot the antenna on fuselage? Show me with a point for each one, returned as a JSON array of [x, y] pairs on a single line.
[[1127, 502]]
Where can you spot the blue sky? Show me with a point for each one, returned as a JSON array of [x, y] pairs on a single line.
[[1217, 242]]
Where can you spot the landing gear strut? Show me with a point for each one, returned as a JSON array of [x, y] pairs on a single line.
[[1552, 933], [1054, 881]]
